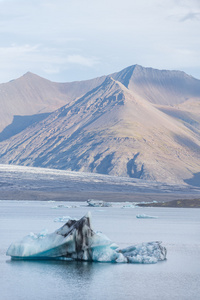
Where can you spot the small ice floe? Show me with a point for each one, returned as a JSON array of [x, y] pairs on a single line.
[[64, 206], [60, 206], [76, 240], [146, 253], [64, 219], [143, 216], [98, 203], [55, 207], [128, 205]]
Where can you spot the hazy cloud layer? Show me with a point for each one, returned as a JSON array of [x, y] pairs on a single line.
[[191, 16], [73, 40]]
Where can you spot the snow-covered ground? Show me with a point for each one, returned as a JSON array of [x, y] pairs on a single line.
[[176, 278]]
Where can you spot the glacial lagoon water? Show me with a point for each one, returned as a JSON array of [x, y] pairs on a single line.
[[176, 278]]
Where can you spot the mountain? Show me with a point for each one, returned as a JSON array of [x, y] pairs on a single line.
[[32, 95], [173, 92], [161, 87], [120, 127]]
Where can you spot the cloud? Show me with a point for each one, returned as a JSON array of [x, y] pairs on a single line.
[[192, 16], [16, 51], [42, 60], [85, 39], [187, 3], [60, 64], [184, 10], [82, 60]]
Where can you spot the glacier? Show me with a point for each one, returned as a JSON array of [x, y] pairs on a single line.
[[76, 240]]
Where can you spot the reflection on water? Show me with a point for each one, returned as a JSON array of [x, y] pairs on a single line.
[[77, 280], [88, 280], [66, 270]]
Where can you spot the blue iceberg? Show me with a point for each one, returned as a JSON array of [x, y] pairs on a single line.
[[76, 240]]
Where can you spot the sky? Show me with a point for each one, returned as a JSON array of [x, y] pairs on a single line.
[[68, 40]]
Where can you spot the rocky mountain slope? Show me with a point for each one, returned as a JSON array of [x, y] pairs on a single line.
[[161, 87], [138, 123], [32, 95]]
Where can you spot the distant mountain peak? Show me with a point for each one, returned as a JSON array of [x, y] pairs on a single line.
[[28, 73], [124, 75], [31, 76]]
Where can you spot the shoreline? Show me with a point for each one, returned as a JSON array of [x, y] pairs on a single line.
[[180, 203], [162, 199]]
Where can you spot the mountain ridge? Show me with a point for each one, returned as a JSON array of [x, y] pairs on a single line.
[[181, 85], [139, 122], [31, 94], [109, 130]]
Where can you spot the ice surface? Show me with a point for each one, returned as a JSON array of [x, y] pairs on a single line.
[[40, 235], [76, 240], [143, 216], [63, 219], [145, 253]]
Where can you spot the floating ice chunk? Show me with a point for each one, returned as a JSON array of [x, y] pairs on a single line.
[[64, 206], [143, 216], [128, 206], [147, 253], [59, 206], [76, 240], [64, 219], [98, 203]]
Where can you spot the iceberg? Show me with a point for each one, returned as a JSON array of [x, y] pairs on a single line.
[[143, 216], [98, 203], [76, 240]]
